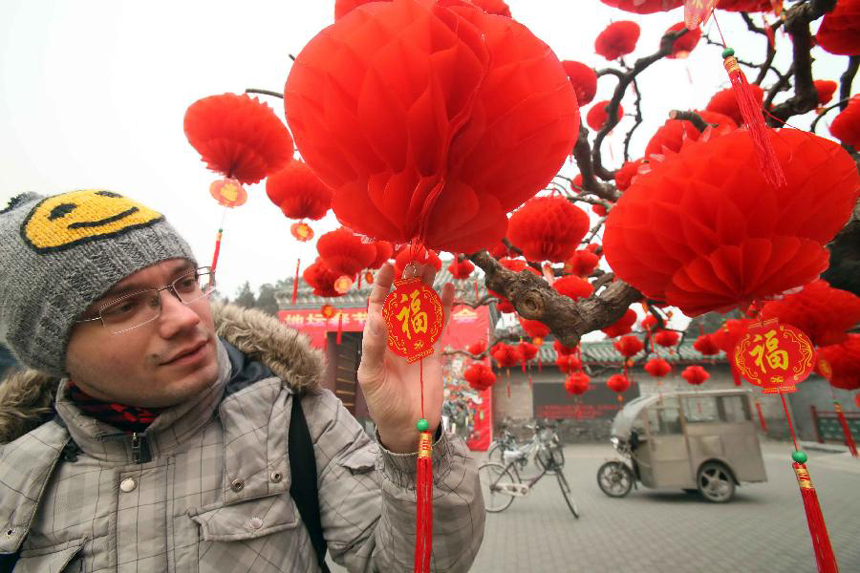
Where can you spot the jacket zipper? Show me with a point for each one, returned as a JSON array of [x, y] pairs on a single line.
[[140, 453]]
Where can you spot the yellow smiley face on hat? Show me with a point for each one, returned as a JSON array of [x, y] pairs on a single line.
[[66, 220]]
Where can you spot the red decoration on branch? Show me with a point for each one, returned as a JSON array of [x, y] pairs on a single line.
[[577, 383], [725, 235], [695, 375], [657, 367], [568, 363], [625, 174], [322, 279], [477, 348], [384, 251], [238, 136], [623, 325], [597, 116], [825, 89], [673, 134], [706, 345], [617, 39], [583, 79], [505, 355], [344, 252], [479, 376], [846, 125], [774, 356], [298, 192], [462, 269], [682, 46], [548, 228], [839, 32], [573, 287], [582, 263], [618, 383], [629, 346], [667, 338], [534, 328]]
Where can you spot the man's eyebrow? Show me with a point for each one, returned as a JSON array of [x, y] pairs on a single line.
[[120, 289]]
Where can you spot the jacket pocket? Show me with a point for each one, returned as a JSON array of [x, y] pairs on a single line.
[[246, 520], [54, 559], [360, 461]]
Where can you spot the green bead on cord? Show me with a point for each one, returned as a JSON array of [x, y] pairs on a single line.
[[799, 457], [728, 52], [423, 425]]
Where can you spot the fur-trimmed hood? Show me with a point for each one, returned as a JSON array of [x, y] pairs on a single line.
[[27, 397]]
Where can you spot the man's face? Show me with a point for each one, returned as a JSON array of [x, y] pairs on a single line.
[[158, 364]]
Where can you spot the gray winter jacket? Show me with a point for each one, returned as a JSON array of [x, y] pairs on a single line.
[[210, 488]]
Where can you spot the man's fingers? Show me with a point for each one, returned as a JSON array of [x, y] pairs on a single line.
[[381, 287], [447, 302], [373, 344]]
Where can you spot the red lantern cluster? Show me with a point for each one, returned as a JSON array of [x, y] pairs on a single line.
[[527, 350], [682, 46], [823, 313], [479, 376], [506, 355], [840, 363], [322, 279], [846, 125], [618, 383], [598, 115], [695, 375], [621, 326], [702, 231], [617, 39], [561, 348], [706, 345], [629, 346], [582, 263], [577, 383], [583, 79], [238, 136], [657, 367], [672, 134], [548, 228], [441, 149], [461, 269], [568, 363], [298, 192], [839, 32], [726, 102], [344, 253]]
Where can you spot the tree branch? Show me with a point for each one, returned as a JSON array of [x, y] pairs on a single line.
[[590, 184], [629, 135], [692, 117], [847, 79], [264, 92]]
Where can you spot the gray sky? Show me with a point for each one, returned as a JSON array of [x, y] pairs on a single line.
[[93, 93]]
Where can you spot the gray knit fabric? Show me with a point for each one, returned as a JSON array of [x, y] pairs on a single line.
[[59, 254]]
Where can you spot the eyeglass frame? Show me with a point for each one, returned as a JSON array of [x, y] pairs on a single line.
[[171, 288]]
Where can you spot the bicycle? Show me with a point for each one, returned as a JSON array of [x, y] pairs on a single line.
[[544, 433], [502, 483]]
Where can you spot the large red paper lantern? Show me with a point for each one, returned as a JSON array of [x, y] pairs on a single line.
[[840, 363], [420, 255], [577, 383], [238, 136], [430, 121], [695, 375], [706, 345], [825, 89], [322, 279], [623, 325], [667, 338], [672, 134], [682, 46], [629, 346], [298, 192], [644, 6], [461, 269], [583, 79], [479, 376], [618, 383], [657, 367], [582, 263], [344, 253], [846, 125], [726, 102], [617, 39], [598, 115], [839, 32], [823, 313], [703, 230], [548, 228], [515, 265], [497, 7]]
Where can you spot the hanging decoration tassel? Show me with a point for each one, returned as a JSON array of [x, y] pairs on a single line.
[[296, 283], [340, 327], [424, 494], [509, 386], [531, 384], [846, 431], [359, 281], [218, 237], [761, 419], [539, 365]]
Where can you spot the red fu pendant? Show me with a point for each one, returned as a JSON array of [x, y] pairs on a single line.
[[413, 313]]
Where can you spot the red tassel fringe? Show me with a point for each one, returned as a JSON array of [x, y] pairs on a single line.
[[296, 283], [846, 431], [815, 519], [340, 327], [424, 493], [217, 249], [761, 419]]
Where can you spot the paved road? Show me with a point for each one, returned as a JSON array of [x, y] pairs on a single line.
[[763, 530]]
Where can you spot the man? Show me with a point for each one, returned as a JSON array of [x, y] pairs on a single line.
[[184, 437]]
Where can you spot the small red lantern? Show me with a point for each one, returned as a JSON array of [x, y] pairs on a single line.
[[596, 118], [573, 287], [327, 311], [618, 383], [846, 125], [774, 356], [583, 79], [582, 263], [649, 322], [617, 39], [657, 367], [298, 192], [342, 284], [344, 252], [667, 338], [673, 134], [479, 376], [534, 328], [461, 269], [624, 176], [622, 326], [548, 228], [302, 231], [568, 363], [682, 46], [825, 89], [706, 345], [321, 279], [228, 192], [629, 346], [505, 355], [528, 351], [577, 383], [477, 348], [695, 375]]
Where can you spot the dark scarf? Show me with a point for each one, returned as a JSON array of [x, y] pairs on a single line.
[[126, 418]]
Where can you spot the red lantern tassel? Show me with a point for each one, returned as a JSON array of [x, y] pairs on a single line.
[[424, 492], [815, 519], [340, 327], [531, 384], [509, 387], [846, 431], [217, 249], [296, 283], [359, 281], [760, 417], [539, 366]]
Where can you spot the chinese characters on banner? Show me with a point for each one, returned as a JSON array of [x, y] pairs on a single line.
[[774, 356], [413, 312]]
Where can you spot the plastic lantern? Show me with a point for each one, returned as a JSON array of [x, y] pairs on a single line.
[[344, 252], [479, 376], [726, 103], [481, 122], [618, 383], [823, 313], [629, 346], [548, 228], [825, 89], [841, 363], [695, 375], [846, 125], [682, 46], [461, 269], [621, 326], [672, 134], [839, 32], [644, 6], [657, 367], [238, 136], [598, 115], [617, 39], [298, 192], [577, 383], [706, 345], [583, 79], [703, 230]]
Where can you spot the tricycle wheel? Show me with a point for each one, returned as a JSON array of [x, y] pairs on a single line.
[[716, 483], [615, 479]]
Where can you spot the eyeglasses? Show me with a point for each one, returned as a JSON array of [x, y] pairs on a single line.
[[141, 307]]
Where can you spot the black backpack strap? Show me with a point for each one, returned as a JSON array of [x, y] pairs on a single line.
[[303, 485]]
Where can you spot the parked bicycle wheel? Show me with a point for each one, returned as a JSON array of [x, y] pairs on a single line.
[[565, 491], [615, 479], [491, 474], [494, 454]]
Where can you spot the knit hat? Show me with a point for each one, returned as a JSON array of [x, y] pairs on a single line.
[[61, 253]]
